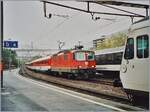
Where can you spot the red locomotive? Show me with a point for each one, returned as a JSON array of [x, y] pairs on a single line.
[[76, 63], [72, 63]]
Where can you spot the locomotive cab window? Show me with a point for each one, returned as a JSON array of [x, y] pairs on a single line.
[[143, 46], [80, 56], [129, 51], [90, 56]]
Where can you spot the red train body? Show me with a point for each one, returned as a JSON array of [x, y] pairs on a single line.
[[73, 63]]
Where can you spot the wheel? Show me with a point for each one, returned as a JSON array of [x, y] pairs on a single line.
[[55, 74], [73, 77], [134, 100], [131, 98], [85, 76], [69, 76]]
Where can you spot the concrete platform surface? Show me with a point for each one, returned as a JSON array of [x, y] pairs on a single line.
[[23, 94]]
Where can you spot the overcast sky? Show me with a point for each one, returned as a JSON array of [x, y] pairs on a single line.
[[25, 22]]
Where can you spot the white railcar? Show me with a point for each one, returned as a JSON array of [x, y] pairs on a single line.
[[108, 62], [109, 59], [135, 67]]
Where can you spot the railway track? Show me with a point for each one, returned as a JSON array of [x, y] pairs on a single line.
[[101, 81], [91, 87]]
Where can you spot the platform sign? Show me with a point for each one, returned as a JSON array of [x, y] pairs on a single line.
[[11, 44]]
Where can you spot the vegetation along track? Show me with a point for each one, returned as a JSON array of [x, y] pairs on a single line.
[[93, 87]]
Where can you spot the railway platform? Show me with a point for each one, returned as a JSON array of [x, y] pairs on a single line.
[[24, 94]]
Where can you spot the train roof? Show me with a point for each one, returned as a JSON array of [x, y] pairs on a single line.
[[82, 50], [72, 50], [39, 59], [143, 23], [110, 50]]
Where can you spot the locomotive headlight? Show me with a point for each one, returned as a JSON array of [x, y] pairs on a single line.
[[86, 63], [80, 66], [92, 66], [123, 68]]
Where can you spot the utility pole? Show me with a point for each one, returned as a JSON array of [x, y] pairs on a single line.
[[9, 56], [1, 33], [10, 59]]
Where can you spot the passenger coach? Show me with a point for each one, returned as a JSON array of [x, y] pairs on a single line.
[[41, 64], [108, 61]]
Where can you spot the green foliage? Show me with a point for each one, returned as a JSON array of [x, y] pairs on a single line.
[[9, 56], [116, 40]]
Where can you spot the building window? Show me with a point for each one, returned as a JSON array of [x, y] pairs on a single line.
[[143, 46]]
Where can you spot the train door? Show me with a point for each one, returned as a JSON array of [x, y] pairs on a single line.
[[134, 72], [127, 66], [142, 61]]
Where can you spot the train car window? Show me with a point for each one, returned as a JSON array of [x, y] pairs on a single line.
[[109, 59], [73, 56], [129, 51], [80, 56], [143, 46], [118, 57], [90, 56], [100, 59]]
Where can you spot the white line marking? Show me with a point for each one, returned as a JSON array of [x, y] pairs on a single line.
[[66, 93]]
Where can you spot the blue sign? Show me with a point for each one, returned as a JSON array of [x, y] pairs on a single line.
[[11, 44]]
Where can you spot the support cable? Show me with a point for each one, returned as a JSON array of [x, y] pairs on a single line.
[[121, 10], [86, 11]]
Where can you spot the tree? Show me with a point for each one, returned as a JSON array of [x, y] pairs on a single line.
[[116, 40], [9, 57]]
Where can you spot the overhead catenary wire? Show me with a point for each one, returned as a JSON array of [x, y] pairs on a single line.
[[52, 30], [102, 27], [89, 44], [87, 11], [62, 23]]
